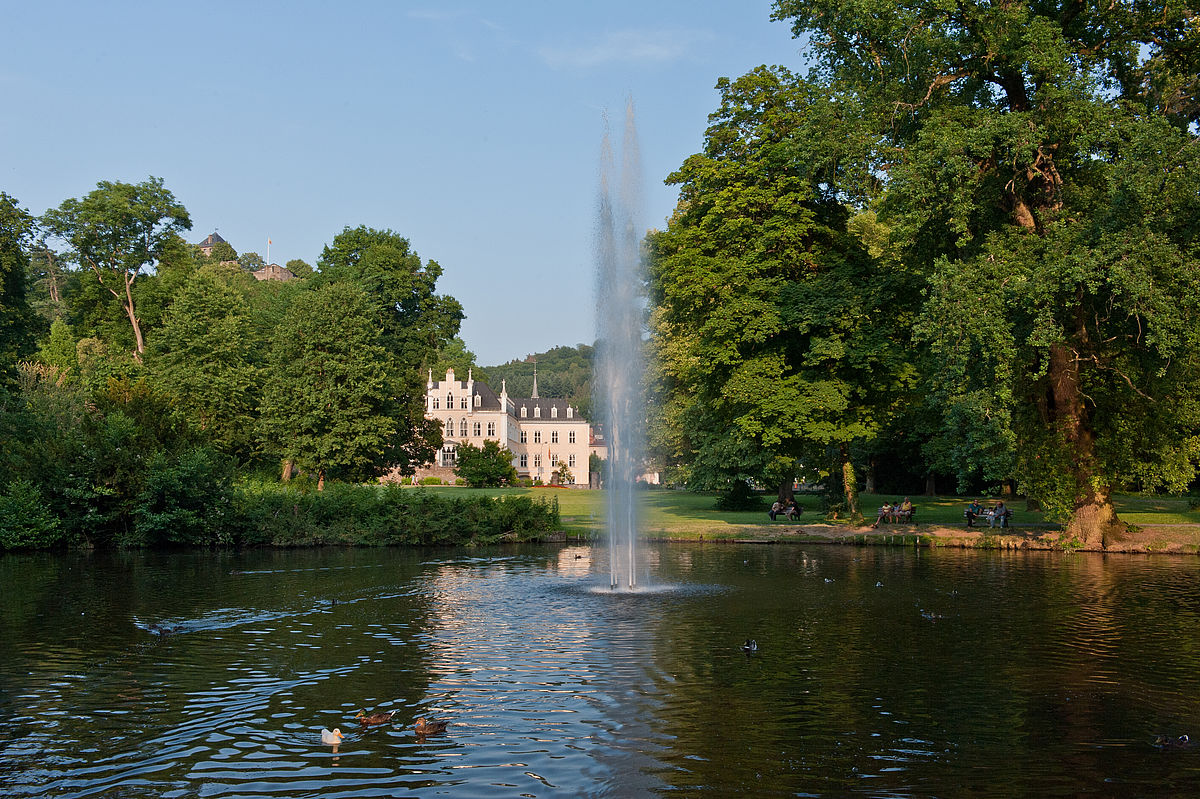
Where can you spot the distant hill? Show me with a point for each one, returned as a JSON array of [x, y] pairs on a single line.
[[562, 372]]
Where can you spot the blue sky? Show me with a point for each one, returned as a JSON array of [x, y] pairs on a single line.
[[472, 129]]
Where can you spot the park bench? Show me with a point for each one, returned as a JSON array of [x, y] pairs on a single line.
[[987, 514]]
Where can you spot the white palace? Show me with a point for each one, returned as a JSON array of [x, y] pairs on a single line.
[[539, 432]]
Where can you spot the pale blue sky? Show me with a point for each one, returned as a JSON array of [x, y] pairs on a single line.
[[471, 128]]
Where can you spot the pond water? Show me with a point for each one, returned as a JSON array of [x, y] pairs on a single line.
[[879, 672]]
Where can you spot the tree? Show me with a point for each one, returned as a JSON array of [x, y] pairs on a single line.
[[59, 350], [299, 267], [17, 319], [1039, 163], [776, 337], [222, 251], [328, 403], [454, 355], [117, 231], [485, 467], [251, 261], [203, 357], [412, 319]]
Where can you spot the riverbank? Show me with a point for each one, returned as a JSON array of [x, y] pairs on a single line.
[[1181, 539]]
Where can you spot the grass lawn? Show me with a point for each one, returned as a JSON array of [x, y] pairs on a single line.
[[684, 514]]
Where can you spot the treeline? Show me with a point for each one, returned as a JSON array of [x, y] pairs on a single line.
[[138, 376], [965, 246]]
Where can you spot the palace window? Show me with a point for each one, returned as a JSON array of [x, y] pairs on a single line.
[[524, 435], [537, 411], [462, 428], [524, 412], [448, 455], [437, 403], [478, 400], [524, 461], [570, 461], [554, 412], [553, 436], [477, 430], [491, 429], [570, 412], [537, 461], [449, 427], [571, 437], [449, 401], [462, 402], [537, 436]]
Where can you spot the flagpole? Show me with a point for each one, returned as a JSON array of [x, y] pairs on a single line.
[[268, 251]]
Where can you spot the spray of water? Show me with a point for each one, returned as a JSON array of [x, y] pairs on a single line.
[[619, 336]]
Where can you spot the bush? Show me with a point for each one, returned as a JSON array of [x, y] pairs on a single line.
[[739, 497], [431, 481], [184, 501], [25, 520]]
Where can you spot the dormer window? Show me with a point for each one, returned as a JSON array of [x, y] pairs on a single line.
[[537, 411], [478, 400], [570, 412], [524, 412], [554, 412]]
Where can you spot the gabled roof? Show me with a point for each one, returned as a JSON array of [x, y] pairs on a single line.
[[213, 238]]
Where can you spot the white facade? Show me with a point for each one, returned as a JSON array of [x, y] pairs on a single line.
[[539, 432]]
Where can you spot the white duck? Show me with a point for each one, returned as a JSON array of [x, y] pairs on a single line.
[[332, 738]]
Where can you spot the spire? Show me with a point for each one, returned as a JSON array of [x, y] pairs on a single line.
[[429, 385], [535, 394]]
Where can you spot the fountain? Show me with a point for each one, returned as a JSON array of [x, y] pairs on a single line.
[[619, 348]]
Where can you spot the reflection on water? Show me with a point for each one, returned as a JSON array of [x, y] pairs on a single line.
[[878, 673]]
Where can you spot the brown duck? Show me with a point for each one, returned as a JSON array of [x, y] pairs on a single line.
[[374, 718], [425, 727]]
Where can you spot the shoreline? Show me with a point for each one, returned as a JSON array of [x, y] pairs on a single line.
[[1175, 539]]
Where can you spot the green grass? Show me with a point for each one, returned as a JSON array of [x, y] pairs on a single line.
[[685, 514]]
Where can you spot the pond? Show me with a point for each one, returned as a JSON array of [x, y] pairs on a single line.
[[878, 672]]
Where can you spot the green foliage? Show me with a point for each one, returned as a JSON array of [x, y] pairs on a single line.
[[118, 230], [453, 354], [328, 400], [26, 522], [387, 516], [775, 334], [203, 356], [562, 372], [59, 350], [430, 480], [222, 251], [412, 319], [485, 467], [739, 497], [251, 261], [185, 500], [299, 267], [17, 320]]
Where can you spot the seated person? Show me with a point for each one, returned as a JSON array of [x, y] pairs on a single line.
[[885, 513], [776, 508], [1000, 514], [906, 510], [792, 510], [973, 512]]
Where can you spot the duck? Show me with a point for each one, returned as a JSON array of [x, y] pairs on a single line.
[[332, 737], [1167, 742], [429, 726], [374, 718], [750, 646]]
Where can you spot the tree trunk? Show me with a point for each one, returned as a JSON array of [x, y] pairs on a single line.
[[133, 320], [288, 470], [930, 484], [869, 478], [1093, 519], [849, 485], [785, 490]]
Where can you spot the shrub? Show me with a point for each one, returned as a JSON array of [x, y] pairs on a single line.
[[739, 497], [25, 520], [431, 481]]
